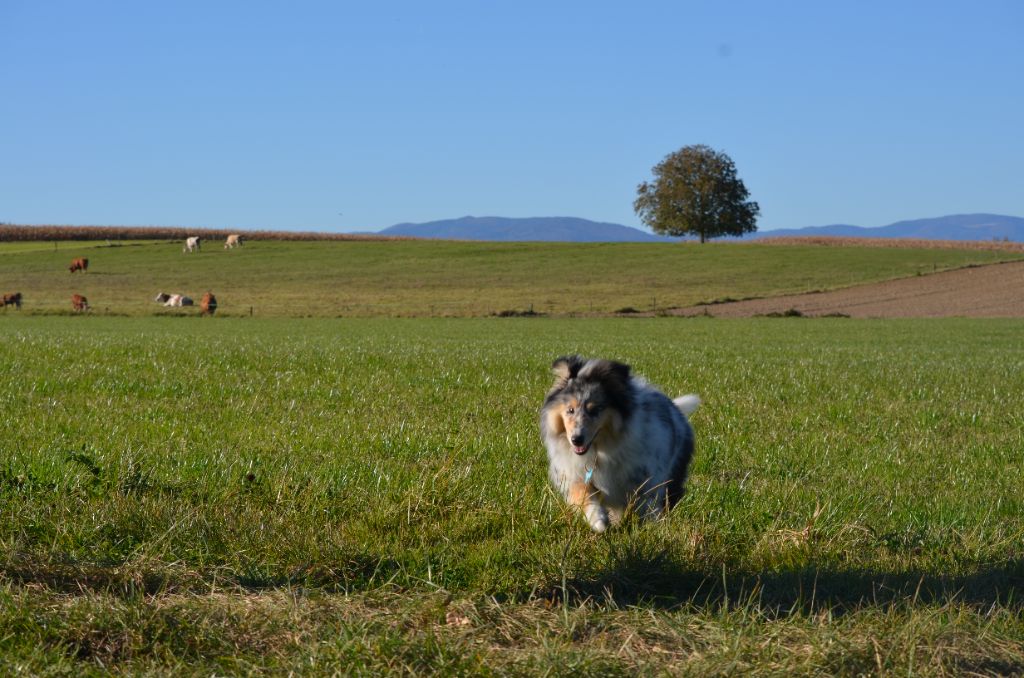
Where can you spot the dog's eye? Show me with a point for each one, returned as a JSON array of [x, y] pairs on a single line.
[[570, 410]]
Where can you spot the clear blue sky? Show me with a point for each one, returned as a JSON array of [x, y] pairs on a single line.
[[285, 114]]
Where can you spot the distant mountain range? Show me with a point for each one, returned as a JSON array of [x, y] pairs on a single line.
[[563, 229], [572, 229], [952, 227]]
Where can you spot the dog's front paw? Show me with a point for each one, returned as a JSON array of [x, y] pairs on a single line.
[[597, 517]]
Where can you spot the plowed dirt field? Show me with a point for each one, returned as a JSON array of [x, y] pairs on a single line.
[[995, 291]]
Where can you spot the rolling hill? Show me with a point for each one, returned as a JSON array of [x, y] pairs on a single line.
[[952, 227], [540, 229], [431, 278], [571, 229]]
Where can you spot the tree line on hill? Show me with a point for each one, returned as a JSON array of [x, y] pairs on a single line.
[[11, 232]]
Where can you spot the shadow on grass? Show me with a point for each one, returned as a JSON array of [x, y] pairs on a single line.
[[631, 579], [657, 581]]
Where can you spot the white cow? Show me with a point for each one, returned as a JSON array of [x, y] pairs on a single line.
[[191, 244], [174, 299], [233, 241]]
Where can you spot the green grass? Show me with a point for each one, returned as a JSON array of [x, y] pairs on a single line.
[[370, 495], [87, 248], [330, 279]]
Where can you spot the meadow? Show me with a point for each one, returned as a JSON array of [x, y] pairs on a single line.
[[446, 279], [368, 495]]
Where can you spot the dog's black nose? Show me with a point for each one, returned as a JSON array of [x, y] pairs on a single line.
[[576, 440]]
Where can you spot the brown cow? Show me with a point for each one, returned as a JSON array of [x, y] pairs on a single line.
[[79, 303], [208, 304], [11, 299], [79, 264]]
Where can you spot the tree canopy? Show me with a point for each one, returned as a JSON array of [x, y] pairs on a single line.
[[696, 191]]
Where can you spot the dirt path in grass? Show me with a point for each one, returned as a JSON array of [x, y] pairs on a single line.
[[994, 291]]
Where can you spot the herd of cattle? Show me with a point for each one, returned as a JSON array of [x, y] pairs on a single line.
[[207, 305]]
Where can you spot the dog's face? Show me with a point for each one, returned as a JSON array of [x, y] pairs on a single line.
[[583, 419], [590, 399]]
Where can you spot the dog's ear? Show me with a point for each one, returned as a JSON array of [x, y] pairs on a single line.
[[621, 371], [610, 372], [567, 367], [615, 377]]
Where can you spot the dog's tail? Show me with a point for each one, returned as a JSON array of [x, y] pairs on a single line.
[[687, 404]]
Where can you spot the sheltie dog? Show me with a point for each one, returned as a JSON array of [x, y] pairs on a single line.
[[615, 442]]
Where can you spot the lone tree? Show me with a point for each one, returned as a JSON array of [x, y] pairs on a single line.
[[696, 190]]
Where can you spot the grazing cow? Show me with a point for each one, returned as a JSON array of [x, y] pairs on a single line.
[[79, 303], [13, 299], [191, 244], [233, 241], [79, 264], [173, 299], [208, 304]]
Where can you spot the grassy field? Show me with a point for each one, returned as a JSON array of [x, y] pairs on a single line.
[[264, 496], [396, 279]]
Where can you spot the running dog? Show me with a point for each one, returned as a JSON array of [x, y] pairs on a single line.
[[615, 442]]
